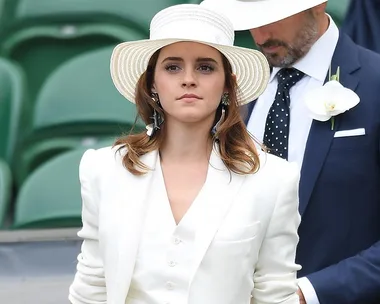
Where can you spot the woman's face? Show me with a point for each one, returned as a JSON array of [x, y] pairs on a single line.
[[190, 81]]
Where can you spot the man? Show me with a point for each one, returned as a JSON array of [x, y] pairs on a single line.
[[339, 159]]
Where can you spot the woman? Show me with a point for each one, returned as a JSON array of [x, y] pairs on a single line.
[[188, 211]]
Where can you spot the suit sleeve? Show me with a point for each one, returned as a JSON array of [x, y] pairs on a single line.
[[275, 274], [89, 285], [353, 280]]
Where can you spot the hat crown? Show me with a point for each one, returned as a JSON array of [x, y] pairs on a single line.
[[249, 14], [192, 22]]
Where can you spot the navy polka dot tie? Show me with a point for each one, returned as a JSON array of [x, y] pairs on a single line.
[[277, 124]]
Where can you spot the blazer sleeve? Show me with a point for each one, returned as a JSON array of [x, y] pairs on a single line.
[[275, 279], [353, 280], [89, 285]]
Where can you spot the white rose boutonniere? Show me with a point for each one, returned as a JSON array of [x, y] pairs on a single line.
[[330, 100]]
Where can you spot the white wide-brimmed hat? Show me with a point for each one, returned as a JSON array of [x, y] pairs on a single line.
[[249, 14], [190, 22]]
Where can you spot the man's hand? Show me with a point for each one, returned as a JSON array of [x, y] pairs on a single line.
[[302, 298]]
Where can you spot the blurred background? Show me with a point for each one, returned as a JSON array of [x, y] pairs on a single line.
[[57, 100]]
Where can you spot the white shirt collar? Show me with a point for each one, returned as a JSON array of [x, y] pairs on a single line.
[[317, 61]]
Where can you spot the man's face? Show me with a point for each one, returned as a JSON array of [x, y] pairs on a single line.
[[286, 41]]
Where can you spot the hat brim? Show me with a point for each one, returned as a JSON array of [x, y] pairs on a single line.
[[129, 61], [246, 15]]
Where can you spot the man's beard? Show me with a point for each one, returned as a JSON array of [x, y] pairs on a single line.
[[302, 44]]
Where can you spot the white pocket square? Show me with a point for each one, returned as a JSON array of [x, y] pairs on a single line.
[[353, 132]]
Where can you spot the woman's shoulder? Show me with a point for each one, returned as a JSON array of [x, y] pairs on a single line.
[[103, 155], [277, 168], [96, 161]]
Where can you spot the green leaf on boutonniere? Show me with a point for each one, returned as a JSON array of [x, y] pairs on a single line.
[[336, 75], [332, 123]]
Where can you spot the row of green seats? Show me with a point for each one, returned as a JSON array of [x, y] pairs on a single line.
[[50, 196], [76, 106]]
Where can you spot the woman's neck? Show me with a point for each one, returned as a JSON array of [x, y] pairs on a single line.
[[186, 143]]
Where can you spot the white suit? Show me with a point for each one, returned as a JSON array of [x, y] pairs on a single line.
[[244, 243]]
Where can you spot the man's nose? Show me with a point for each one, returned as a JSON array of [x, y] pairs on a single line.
[[260, 35]]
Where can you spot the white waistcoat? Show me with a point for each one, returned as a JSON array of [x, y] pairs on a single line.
[[166, 251]]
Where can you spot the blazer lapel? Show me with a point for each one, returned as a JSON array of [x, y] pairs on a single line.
[[132, 192], [321, 136], [218, 196], [246, 111]]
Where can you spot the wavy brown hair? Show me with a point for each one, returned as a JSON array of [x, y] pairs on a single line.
[[236, 147]]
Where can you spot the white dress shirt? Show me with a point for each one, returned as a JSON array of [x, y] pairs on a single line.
[[315, 65]]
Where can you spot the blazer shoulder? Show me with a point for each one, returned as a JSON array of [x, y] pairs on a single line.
[[276, 169], [370, 61], [95, 161], [278, 180]]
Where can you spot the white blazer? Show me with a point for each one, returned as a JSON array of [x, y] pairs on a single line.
[[249, 228]]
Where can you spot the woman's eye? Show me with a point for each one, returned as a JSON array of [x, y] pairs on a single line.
[[206, 68], [172, 68]]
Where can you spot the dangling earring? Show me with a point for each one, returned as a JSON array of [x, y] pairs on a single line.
[[225, 101], [157, 118]]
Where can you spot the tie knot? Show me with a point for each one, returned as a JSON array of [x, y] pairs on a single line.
[[288, 77]]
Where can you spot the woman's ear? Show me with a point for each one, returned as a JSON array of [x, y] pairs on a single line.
[[154, 88], [234, 79]]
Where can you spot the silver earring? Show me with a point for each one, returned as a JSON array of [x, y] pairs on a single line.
[[155, 97], [157, 118], [225, 101]]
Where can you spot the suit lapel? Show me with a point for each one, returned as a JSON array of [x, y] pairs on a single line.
[[321, 136], [246, 111], [218, 195], [132, 192]]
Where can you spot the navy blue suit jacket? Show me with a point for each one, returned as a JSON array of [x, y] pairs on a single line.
[[339, 246]]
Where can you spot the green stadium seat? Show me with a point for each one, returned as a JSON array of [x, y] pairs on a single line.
[[338, 10], [13, 108], [5, 191], [50, 197], [71, 111], [244, 39], [139, 12], [7, 8], [41, 151], [40, 49], [80, 98]]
